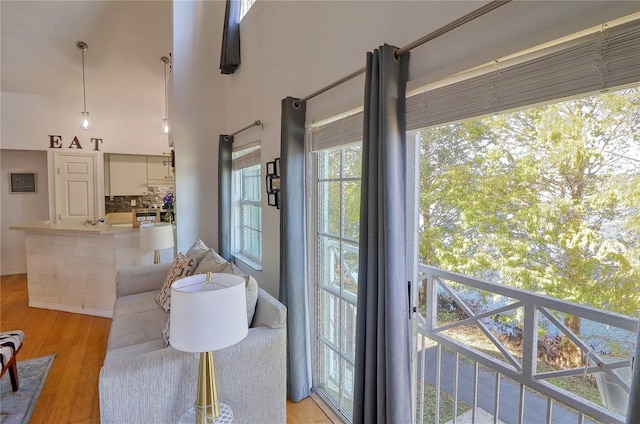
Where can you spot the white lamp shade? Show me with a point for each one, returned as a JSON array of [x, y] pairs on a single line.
[[156, 237], [208, 317]]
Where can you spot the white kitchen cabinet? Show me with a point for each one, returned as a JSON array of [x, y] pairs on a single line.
[[128, 175], [159, 170]]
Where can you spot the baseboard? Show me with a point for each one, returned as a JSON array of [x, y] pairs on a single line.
[[73, 309]]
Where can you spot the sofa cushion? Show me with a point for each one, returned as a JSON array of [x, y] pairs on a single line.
[[137, 318], [135, 349], [182, 266], [212, 262], [134, 304], [197, 251]]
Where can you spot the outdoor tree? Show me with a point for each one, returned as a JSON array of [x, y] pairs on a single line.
[[546, 199]]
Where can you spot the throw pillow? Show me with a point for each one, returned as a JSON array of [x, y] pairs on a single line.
[[197, 251], [181, 267], [212, 262], [252, 297], [251, 290]]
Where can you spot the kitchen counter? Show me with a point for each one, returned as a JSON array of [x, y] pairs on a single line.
[[101, 228], [73, 267]]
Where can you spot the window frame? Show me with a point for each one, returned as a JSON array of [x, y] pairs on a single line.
[[344, 297], [240, 203]]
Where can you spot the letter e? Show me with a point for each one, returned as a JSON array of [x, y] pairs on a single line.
[[55, 141]]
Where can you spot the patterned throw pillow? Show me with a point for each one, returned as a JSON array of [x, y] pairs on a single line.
[[181, 267]]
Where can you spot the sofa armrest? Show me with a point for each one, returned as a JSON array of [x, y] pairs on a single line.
[[269, 312], [160, 386], [140, 279], [252, 376], [156, 387]]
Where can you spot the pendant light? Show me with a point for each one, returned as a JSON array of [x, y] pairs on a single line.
[[165, 121], [85, 115]]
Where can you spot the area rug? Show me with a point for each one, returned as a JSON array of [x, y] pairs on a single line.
[[17, 407]]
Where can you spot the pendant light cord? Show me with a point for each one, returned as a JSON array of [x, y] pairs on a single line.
[[165, 61], [166, 105], [84, 89], [83, 46]]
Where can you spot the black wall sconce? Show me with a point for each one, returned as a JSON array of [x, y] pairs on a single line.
[[273, 183]]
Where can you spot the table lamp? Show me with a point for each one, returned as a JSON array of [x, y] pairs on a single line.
[[208, 312], [156, 237]]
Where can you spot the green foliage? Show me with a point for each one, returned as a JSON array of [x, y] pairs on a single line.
[[545, 199]]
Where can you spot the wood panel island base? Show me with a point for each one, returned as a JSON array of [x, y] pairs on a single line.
[[73, 268]]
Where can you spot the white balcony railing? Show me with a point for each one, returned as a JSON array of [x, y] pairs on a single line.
[[506, 355]]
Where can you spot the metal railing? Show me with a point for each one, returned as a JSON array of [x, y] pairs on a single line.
[[502, 377]]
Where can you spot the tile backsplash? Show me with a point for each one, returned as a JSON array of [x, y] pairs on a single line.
[[123, 203]]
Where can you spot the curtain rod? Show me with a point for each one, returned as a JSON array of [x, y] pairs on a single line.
[[256, 123], [433, 35]]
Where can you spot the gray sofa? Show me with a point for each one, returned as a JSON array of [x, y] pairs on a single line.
[[142, 381]]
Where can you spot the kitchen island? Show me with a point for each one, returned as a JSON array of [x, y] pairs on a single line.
[[73, 267]]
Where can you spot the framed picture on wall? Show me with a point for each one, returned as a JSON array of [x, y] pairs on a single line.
[[24, 182], [273, 183], [272, 198], [271, 168]]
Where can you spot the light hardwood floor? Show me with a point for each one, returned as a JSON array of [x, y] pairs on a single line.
[[70, 393]]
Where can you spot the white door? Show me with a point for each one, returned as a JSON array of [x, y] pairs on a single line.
[[76, 188]]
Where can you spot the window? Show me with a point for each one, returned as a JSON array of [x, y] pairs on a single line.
[[547, 194], [245, 5], [499, 185], [247, 212], [337, 193]]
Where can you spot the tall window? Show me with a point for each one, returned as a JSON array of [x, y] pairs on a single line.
[[337, 192], [545, 198], [247, 212]]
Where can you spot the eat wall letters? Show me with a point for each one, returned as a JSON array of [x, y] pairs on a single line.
[[55, 142]]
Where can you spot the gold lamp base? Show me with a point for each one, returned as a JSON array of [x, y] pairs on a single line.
[[207, 408], [156, 257]]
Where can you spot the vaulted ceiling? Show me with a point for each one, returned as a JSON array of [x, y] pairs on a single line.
[[126, 39]]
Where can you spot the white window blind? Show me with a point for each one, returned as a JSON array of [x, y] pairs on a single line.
[[245, 157], [337, 133], [592, 63]]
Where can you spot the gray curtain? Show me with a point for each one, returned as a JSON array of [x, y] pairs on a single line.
[[230, 52], [633, 409], [293, 282], [225, 149], [382, 392]]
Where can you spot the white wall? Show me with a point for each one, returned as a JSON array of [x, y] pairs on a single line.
[[27, 120], [16, 208], [293, 48], [198, 118]]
